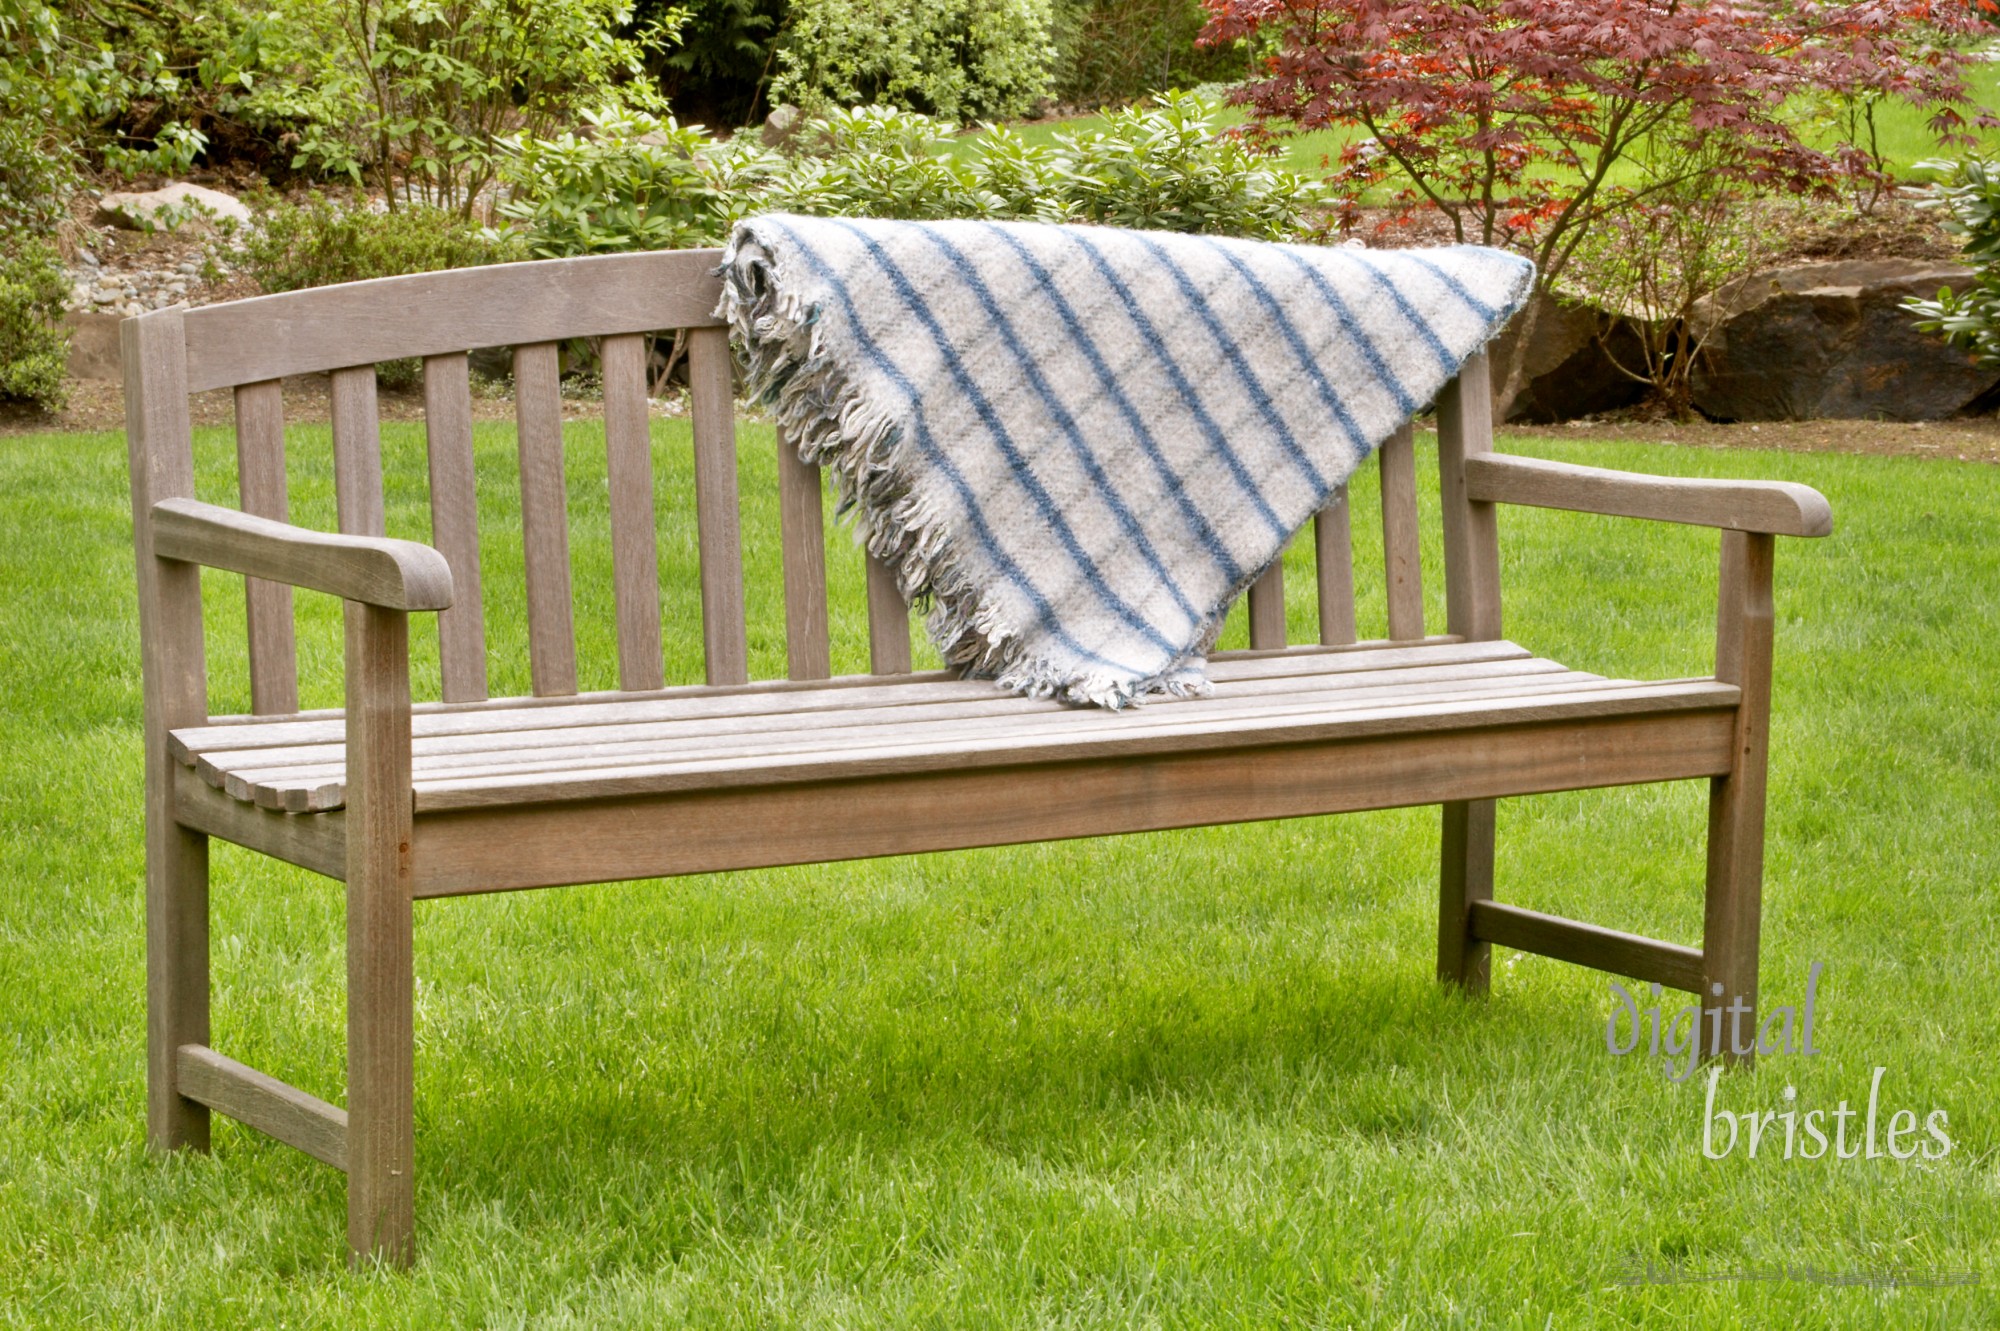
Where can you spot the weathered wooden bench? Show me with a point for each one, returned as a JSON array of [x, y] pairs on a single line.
[[478, 794]]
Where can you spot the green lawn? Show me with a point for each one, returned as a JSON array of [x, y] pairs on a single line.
[[1905, 134], [1198, 1079]]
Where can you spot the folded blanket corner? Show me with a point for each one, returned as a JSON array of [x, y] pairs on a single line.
[[1079, 445]]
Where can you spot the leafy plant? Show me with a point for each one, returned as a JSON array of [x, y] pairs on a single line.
[[34, 348], [1969, 319], [1509, 117], [1116, 50], [958, 60], [415, 95]]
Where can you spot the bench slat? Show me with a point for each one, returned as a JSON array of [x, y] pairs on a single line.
[[544, 519], [260, 480], [1333, 557], [312, 785], [357, 452], [888, 622], [635, 549], [1066, 745], [1267, 607], [1332, 690], [455, 523], [779, 698], [712, 398], [802, 531], [1401, 555]]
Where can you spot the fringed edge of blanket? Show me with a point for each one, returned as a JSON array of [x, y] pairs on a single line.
[[835, 425]]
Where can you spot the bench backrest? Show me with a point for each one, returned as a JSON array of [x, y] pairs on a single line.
[[250, 345]]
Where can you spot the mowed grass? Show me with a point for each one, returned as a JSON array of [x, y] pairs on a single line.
[[1198, 1079]]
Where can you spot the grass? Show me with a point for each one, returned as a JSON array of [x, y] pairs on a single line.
[[1199, 1079], [1904, 134]]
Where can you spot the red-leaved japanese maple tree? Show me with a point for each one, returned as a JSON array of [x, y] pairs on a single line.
[[1526, 122]]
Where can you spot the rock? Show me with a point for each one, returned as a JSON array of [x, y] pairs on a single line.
[[93, 345], [1566, 373], [1828, 340], [140, 212], [780, 126]]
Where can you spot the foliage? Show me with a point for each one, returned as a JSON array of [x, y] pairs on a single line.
[[415, 94], [958, 60], [718, 71], [633, 182], [1118, 50], [33, 345], [1654, 262], [1510, 117], [1969, 319]]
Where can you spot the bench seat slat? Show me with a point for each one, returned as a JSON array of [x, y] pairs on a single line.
[[784, 698]]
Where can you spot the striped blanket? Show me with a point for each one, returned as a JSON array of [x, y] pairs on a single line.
[[1081, 444]]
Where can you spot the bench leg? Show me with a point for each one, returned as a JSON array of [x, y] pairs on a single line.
[[1734, 907], [176, 977], [381, 1073], [1465, 876]]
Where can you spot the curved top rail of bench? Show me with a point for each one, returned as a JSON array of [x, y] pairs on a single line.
[[430, 314]]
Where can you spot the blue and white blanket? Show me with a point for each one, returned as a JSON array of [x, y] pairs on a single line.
[[1081, 444]]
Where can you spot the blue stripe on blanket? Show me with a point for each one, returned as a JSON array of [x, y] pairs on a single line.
[[1080, 444]]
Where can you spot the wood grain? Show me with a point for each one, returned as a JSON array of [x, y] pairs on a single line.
[[380, 570], [429, 314], [544, 519], [1587, 945], [1401, 547], [1333, 558], [1774, 507], [357, 451], [264, 1103], [1471, 528], [455, 523], [160, 448], [1267, 607], [802, 531], [260, 482], [712, 398], [888, 622], [635, 549]]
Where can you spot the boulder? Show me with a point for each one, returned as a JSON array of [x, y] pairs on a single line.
[[1829, 340], [93, 345], [781, 125], [180, 201], [1566, 372]]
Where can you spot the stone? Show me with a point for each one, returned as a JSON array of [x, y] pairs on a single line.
[[93, 345], [780, 126], [1830, 341], [140, 211], [1566, 373]]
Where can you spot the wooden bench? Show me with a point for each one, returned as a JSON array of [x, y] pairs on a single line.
[[479, 794]]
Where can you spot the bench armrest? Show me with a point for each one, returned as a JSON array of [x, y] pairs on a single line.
[[1775, 507], [374, 570]]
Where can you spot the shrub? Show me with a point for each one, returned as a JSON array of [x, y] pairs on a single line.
[[34, 347], [1117, 50], [955, 59], [1969, 319], [415, 94]]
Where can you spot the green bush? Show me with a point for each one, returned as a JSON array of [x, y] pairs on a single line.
[[34, 347], [1969, 319], [955, 59], [1116, 50]]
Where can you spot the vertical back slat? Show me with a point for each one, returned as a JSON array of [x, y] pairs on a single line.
[[635, 547], [888, 622], [260, 480], [455, 523], [1333, 554], [357, 452], [802, 529], [1267, 607], [1471, 529], [1401, 558], [712, 395], [544, 519]]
